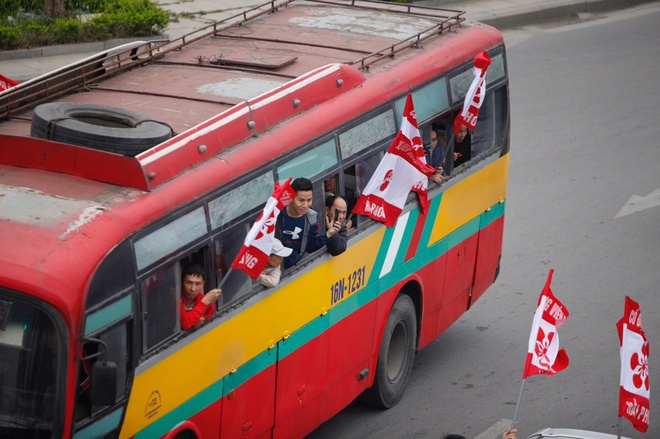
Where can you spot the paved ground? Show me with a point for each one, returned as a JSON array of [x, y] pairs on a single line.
[[193, 14]]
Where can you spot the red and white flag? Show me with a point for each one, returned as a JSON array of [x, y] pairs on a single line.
[[475, 94], [543, 353], [7, 83], [634, 390], [255, 252], [402, 168]]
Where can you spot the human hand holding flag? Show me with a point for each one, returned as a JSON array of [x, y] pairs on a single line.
[[543, 353], [634, 389], [253, 256], [402, 168]]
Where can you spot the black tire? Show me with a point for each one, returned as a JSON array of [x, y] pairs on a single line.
[[98, 126], [397, 353]]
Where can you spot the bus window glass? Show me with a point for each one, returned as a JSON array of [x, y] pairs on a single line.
[[30, 361], [167, 239], [495, 70], [235, 203], [356, 178], [160, 295], [368, 133], [487, 132], [237, 282], [429, 101], [460, 83], [116, 342], [310, 163]]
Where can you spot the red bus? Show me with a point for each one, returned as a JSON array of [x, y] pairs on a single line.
[[118, 169]]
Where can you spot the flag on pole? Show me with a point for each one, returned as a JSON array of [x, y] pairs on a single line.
[[7, 83], [402, 168], [475, 94], [253, 256], [543, 353], [634, 388]]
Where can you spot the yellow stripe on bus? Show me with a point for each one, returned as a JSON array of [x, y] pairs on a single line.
[[217, 353], [471, 197]]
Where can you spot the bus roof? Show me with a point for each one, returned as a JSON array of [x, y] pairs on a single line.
[[230, 83]]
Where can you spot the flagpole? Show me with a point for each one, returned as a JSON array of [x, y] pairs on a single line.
[[618, 429], [515, 414], [224, 278]]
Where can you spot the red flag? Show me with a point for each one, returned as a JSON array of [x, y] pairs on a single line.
[[543, 353], [258, 243], [402, 168], [634, 389], [475, 94], [6, 83]]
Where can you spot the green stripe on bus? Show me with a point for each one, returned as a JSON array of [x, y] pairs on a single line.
[[105, 316], [382, 254], [103, 426], [434, 208], [210, 395], [413, 216], [321, 324]]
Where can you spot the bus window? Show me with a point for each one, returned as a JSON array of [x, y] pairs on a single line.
[[237, 283], [160, 301], [309, 164], [236, 203], [376, 130], [30, 361], [488, 131], [356, 178]]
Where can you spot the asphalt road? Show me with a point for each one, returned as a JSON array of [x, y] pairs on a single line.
[[584, 200]]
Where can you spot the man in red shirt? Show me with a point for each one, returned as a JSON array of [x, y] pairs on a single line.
[[196, 307]]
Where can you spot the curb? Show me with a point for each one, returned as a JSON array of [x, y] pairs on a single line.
[[67, 49], [508, 18]]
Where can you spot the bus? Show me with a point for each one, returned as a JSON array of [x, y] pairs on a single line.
[[118, 169]]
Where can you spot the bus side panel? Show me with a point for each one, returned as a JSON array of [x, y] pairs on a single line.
[[300, 382], [248, 408], [434, 275], [460, 263], [308, 391], [488, 257]]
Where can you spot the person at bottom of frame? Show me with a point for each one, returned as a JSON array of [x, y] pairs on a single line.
[[196, 307], [270, 276]]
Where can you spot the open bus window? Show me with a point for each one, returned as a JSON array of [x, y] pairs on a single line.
[[355, 180], [30, 365], [235, 283], [160, 298]]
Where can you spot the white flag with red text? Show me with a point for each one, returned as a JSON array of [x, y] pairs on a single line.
[[402, 168], [475, 94], [634, 389], [258, 243], [543, 353], [7, 83]]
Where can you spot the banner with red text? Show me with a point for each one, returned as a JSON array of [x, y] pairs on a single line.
[[475, 94], [543, 353], [402, 168], [258, 243], [635, 388]]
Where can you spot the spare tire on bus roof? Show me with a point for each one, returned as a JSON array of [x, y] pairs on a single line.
[[98, 126]]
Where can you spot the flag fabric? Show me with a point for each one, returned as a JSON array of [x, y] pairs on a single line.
[[253, 256], [634, 388], [543, 353], [475, 94], [6, 83], [402, 168]]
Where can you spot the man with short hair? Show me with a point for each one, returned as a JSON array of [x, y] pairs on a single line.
[[298, 226], [336, 205], [196, 307]]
